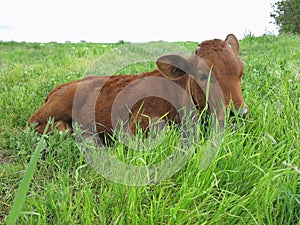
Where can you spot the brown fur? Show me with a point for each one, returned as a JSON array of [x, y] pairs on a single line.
[[91, 100]]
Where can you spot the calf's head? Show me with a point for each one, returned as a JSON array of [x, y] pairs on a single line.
[[216, 60]]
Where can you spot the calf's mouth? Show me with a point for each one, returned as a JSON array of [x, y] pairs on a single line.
[[241, 112]]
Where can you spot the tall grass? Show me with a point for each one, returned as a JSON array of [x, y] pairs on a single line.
[[254, 179], [24, 184]]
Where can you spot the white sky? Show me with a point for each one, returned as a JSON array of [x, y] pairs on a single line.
[[132, 20]]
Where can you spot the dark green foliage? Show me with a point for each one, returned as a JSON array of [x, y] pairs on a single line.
[[287, 16]]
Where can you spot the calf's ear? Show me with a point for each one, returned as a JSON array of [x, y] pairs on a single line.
[[233, 42], [172, 66]]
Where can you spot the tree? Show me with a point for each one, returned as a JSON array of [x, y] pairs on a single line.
[[287, 16]]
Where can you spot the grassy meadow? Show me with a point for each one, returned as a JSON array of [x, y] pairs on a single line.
[[254, 179]]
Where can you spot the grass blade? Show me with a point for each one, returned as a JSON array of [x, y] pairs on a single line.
[[24, 185]]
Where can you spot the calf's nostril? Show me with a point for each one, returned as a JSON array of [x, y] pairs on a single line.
[[241, 112]]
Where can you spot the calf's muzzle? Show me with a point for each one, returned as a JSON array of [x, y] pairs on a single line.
[[241, 111]]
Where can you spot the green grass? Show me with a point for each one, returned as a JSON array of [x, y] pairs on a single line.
[[24, 184], [254, 179]]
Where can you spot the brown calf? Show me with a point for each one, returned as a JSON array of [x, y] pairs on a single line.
[[148, 96]]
